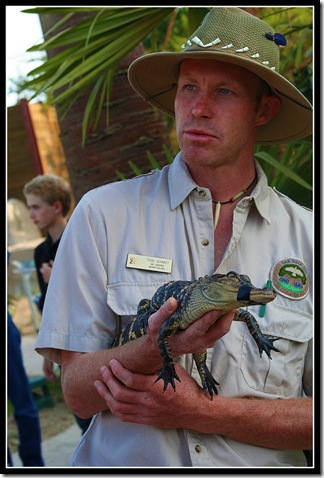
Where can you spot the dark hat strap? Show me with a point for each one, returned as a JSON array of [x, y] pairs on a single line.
[[147, 98]]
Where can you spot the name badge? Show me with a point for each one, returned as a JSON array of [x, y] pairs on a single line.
[[157, 264]]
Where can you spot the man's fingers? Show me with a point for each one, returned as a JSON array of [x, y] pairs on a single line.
[[224, 323], [102, 390], [115, 375], [156, 320], [130, 379]]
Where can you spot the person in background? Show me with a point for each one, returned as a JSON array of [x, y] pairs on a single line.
[[210, 211], [49, 200], [21, 397]]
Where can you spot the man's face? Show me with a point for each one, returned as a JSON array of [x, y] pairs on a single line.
[[216, 111], [41, 213]]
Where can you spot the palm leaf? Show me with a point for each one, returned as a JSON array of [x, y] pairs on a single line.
[[283, 169], [93, 49]]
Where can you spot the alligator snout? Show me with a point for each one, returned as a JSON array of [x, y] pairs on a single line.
[[262, 296], [253, 296]]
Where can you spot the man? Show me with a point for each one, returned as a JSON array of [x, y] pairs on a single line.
[[49, 200], [211, 210]]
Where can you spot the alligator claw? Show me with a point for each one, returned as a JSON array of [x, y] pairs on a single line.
[[208, 382], [168, 374], [265, 344]]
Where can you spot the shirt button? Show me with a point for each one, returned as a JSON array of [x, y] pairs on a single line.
[[202, 194], [198, 449], [205, 242]]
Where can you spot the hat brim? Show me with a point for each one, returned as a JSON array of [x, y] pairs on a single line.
[[154, 77]]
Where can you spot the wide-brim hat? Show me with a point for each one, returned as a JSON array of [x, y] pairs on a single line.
[[229, 35]]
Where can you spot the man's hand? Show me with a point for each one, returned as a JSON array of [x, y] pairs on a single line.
[[48, 369], [137, 398], [46, 271], [200, 335]]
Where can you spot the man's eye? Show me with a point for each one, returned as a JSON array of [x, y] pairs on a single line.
[[189, 87], [224, 91]]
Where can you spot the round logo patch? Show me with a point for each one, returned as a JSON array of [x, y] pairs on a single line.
[[290, 279]]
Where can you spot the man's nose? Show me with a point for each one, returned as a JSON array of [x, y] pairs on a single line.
[[202, 107]]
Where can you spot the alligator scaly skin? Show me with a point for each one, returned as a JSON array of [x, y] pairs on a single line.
[[219, 291]]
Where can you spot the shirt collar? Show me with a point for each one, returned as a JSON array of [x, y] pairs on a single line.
[[180, 189], [180, 181], [260, 194]]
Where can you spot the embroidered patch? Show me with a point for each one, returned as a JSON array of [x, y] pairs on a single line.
[[290, 278]]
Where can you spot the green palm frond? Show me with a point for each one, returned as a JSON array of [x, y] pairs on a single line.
[[92, 50], [289, 169]]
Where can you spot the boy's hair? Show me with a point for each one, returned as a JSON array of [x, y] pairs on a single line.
[[50, 188]]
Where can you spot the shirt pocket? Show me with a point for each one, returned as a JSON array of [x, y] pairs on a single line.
[[282, 375], [123, 299]]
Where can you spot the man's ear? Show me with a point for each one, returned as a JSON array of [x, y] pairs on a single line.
[[58, 206], [269, 106]]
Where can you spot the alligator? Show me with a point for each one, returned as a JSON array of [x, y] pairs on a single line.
[[218, 291]]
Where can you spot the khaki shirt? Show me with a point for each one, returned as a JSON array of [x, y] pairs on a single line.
[[92, 295]]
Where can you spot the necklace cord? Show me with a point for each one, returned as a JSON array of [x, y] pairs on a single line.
[[233, 199]]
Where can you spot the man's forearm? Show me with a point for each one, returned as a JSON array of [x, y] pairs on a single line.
[[80, 370], [280, 423]]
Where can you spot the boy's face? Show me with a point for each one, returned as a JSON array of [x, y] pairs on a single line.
[[41, 213]]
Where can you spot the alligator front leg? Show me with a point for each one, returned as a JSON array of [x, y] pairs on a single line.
[[207, 380], [167, 373], [264, 343]]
